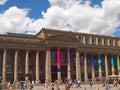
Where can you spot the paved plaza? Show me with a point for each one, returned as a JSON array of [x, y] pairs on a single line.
[[83, 87]]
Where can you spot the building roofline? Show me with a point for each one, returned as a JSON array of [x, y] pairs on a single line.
[[77, 33]]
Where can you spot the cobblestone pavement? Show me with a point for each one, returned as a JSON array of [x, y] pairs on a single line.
[[83, 87]]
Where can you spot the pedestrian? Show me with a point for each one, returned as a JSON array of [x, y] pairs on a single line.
[[78, 84], [91, 83], [67, 86], [10, 87], [46, 86], [107, 86], [8, 84]]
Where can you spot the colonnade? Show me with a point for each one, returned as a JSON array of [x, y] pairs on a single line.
[[68, 60]]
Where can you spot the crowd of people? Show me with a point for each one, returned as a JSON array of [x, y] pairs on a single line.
[[48, 85], [22, 85]]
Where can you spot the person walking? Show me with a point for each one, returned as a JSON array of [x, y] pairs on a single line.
[[10, 87], [91, 83], [8, 84], [46, 86], [67, 86], [78, 83]]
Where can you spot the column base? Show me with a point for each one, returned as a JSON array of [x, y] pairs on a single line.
[[99, 79], [14, 82], [59, 81], [93, 79], [86, 80], [37, 81]]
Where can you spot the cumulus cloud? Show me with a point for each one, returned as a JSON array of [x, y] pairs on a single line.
[[2, 2], [14, 20], [79, 16], [74, 15]]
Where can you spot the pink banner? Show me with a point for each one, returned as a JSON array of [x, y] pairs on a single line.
[[58, 59]]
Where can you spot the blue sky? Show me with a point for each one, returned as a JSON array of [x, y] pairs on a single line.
[[30, 16], [35, 6]]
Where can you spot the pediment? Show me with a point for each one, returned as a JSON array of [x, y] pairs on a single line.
[[62, 39]]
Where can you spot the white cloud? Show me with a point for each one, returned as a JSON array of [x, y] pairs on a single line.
[[14, 20], [68, 15], [2, 2], [72, 15]]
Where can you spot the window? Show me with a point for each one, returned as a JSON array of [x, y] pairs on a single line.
[[111, 42], [53, 56], [30, 68], [81, 40], [9, 57], [105, 41], [87, 40], [8, 68], [30, 56], [19, 68], [19, 56], [93, 41], [63, 56], [82, 59], [99, 41]]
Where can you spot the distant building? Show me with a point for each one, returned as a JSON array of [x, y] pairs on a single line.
[[56, 55]]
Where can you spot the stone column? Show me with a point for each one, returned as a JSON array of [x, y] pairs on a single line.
[[83, 39], [68, 66], [96, 40], [16, 66], [4, 64], [113, 42], [78, 71], [37, 67], [58, 65], [103, 41], [108, 42], [27, 65], [106, 65], [85, 67], [90, 40], [48, 65]]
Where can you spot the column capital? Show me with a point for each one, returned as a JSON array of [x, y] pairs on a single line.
[[5, 49], [58, 48], [68, 49], [37, 50], [77, 49], [27, 50]]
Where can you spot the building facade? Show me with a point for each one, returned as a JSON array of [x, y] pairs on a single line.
[[56, 55]]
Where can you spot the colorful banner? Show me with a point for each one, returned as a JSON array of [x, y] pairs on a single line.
[[92, 64], [58, 61], [112, 65], [118, 64], [99, 63]]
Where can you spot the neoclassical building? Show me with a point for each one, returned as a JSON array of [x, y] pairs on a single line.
[[56, 55]]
